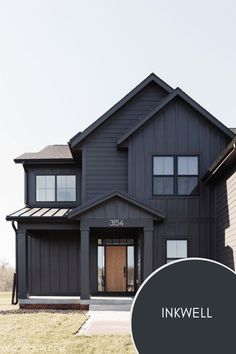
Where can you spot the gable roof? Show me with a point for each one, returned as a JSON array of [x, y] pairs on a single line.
[[80, 210], [177, 93], [78, 138], [50, 152]]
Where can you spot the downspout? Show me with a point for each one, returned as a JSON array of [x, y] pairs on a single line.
[[15, 282]]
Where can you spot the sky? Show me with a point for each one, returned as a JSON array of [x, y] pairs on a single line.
[[64, 63]]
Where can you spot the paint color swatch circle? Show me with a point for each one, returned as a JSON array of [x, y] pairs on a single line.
[[188, 306]]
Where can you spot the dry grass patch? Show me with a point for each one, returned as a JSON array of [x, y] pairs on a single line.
[[47, 331]]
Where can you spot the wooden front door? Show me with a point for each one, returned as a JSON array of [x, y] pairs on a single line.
[[116, 268]]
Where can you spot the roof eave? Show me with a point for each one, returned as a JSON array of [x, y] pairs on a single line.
[[56, 160], [220, 161]]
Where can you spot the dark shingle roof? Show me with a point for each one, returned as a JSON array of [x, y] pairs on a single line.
[[50, 152]]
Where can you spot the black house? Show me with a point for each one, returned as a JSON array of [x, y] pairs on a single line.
[[122, 198]]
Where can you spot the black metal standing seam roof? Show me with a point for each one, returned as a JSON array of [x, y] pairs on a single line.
[[36, 213]]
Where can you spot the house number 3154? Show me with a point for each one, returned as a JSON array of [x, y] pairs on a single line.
[[116, 222]]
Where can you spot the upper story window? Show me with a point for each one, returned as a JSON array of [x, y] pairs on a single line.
[[51, 188], [175, 175]]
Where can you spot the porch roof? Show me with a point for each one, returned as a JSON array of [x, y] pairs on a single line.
[[38, 213], [122, 196]]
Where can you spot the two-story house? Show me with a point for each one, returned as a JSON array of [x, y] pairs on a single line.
[[122, 198]]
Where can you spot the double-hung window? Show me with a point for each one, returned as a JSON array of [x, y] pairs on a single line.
[[175, 175], [56, 188]]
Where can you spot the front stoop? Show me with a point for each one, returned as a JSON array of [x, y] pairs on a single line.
[[110, 303]]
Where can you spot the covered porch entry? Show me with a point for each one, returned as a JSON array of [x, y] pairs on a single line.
[[116, 234]]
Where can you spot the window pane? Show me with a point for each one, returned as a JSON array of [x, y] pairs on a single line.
[[188, 165], [61, 181], [40, 195], [70, 183], [163, 185], [163, 165], [40, 182], [130, 270], [50, 195], [177, 249], [50, 181], [101, 269], [188, 186]]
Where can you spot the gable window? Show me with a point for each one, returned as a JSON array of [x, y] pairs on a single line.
[[60, 188], [176, 249], [163, 175], [175, 175]]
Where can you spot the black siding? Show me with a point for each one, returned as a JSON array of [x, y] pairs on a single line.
[[53, 263]]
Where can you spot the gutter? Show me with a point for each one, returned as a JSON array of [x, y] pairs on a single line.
[[230, 149]]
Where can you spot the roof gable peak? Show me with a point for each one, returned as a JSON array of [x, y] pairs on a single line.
[[78, 138], [165, 101]]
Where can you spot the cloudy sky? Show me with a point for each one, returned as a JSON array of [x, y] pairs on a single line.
[[64, 63]]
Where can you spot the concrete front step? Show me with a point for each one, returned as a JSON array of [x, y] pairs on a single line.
[[107, 307], [113, 301]]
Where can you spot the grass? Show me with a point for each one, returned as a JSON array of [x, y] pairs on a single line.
[[44, 331]]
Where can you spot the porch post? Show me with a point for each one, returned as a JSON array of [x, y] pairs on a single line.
[[148, 252], [22, 264], [84, 264]]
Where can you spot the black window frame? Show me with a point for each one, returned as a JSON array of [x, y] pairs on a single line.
[[176, 239], [176, 176], [55, 191], [163, 176]]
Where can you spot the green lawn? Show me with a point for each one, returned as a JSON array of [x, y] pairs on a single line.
[[45, 331]]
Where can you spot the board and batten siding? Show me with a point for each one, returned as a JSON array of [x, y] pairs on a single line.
[[177, 130], [105, 168], [225, 201], [53, 263]]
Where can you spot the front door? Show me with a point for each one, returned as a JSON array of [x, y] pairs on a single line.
[[116, 265], [116, 268]]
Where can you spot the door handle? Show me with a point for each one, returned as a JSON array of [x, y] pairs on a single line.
[[124, 272]]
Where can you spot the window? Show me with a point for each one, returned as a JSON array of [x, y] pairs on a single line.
[[175, 175], [176, 249], [66, 188], [45, 188], [187, 175], [56, 188], [163, 175]]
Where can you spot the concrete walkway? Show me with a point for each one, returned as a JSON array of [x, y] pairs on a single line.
[[106, 322]]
